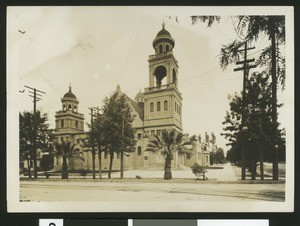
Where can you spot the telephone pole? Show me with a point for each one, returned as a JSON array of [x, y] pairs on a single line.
[[99, 150], [37, 96], [92, 141], [122, 151], [245, 68]]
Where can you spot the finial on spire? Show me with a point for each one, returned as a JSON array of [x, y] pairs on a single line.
[[118, 89], [163, 24], [70, 87]]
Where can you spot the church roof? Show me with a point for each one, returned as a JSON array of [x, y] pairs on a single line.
[[138, 96], [138, 108], [163, 32], [70, 94], [163, 35]]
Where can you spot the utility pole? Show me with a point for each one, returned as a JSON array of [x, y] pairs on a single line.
[[274, 98], [261, 151], [92, 140], [37, 96], [99, 151], [245, 68], [122, 151]]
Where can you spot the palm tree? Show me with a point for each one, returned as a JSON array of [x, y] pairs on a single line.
[[66, 150], [168, 143]]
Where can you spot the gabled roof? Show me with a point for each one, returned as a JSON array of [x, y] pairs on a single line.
[[137, 107]]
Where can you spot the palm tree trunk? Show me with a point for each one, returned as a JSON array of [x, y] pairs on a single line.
[[122, 165], [168, 173], [100, 163], [253, 169], [274, 96], [64, 174], [28, 168], [261, 156], [93, 162], [110, 163]]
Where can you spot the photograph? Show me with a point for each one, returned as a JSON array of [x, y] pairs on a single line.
[[150, 109]]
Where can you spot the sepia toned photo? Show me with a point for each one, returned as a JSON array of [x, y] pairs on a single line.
[[150, 109]]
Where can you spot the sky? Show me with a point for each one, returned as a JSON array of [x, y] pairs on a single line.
[[97, 48]]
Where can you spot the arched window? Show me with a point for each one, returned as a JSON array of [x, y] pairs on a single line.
[[167, 48], [62, 123], [139, 150], [158, 106], [165, 105], [151, 107], [64, 107], [70, 106], [174, 77], [160, 48]]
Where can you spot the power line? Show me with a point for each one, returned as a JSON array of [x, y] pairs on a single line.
[[199, 74], [131, 48], [210, 82]]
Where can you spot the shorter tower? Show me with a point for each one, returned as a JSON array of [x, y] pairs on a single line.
[[69, 126], [68, 122]]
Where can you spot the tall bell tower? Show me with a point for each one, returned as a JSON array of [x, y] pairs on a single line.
[[162, 99]]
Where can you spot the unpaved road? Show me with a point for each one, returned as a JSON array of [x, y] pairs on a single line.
[[107, 191]]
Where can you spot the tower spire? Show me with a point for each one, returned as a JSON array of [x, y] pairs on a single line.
[[163, 24], [70, 87]]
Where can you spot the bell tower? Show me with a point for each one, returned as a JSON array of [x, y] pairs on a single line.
[[162, 99], [68, 121], [163, 66]]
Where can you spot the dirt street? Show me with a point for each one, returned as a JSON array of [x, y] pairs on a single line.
[[109, 191]]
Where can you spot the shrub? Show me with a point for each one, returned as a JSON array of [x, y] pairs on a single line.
[[199, 170], [47, 175], [83, 172]]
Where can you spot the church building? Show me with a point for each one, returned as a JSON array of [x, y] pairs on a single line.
[[156, 109]]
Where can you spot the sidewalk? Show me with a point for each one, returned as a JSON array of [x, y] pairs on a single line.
[[225, 174]]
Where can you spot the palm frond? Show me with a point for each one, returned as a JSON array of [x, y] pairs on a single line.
[[210, 20], [169, 142], [230, 53]]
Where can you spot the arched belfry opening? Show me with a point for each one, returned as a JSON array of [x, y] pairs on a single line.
[[174, 77], [160, 49], [160, 73]]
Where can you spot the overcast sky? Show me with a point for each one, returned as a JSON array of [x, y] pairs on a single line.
[[97, 48]]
